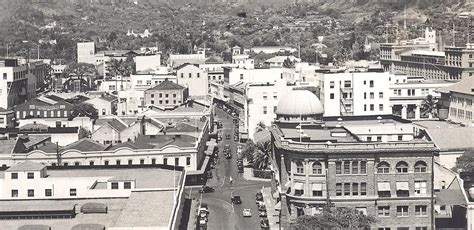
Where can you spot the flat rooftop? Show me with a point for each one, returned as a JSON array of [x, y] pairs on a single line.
[[436, 124]]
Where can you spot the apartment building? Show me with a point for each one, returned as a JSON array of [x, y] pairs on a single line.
[[373, 164]]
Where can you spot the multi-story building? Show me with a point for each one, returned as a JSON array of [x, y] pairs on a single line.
[[356, 93], [177, 60], [86, 52], [44, 107], [460, 61], [7, 118], [257, 75], [18, 83], [166, 95], [116, 131], [458, 98], [114, 197], [143, 81], [373, 164], [193, 78]]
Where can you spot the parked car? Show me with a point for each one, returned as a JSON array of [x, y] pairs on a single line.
[[259, 196], [262, 208], [206, 189], [264, 224], [236, 200], [263, 214], [204, 208], [240, 169], [247, 213]]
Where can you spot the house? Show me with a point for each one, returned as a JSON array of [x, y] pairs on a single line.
[[193, 78], [116, 131], [105, 105], [166, 95]]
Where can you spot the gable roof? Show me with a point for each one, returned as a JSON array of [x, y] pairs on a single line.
[[167, 85], [465, 86], [186, 64], [85, 145], [117, 125], [26, 166]]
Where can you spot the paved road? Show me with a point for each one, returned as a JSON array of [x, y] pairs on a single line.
[[223, 214]]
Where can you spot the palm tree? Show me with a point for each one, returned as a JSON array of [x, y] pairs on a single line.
[[429, 107], [261, 155]]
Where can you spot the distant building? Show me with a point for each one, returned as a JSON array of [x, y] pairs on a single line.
[[176, 60], [193, 78], [362, 162], [279, 60], [356, 93], [113, 197], [44, 107], [166, 95], [458, 98], [147, 63], [272, 49], [105, 105], [115, 131], [86, 52]]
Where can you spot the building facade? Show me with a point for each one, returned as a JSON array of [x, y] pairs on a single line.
[[166, 95], [193, 78], [86, 52], [44, 107]]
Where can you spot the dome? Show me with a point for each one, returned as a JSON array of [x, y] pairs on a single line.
[[300, 102]]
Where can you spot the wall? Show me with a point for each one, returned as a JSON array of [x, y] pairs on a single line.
[[194, 79]]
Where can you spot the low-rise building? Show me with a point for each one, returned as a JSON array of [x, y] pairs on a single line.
[[7, 118], [278, 61], [44, 107], [458, 98], [105, 105], [166, 95], [116, 131]]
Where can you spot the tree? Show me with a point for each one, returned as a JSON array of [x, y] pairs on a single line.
[[84, 110], [287, 63], [122, 68], [465, 163], [429, 107], [81, 71], [261, 155], [248, 151], [84, 133], [341, 218]]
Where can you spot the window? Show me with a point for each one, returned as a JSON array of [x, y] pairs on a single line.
[[77, 163], [365, 107], [148, 82], [165, 161], [347, 167], [347, 84], [14, 176], [299, 167], [371, 107], [188, 161], [299, 192], [106, 162], [153, 161], [380, 107], [114, 185], [402, 167], [198, 75], [127, 185], [420, 167], [265, 97], [176, 161], [365, 95], [338, 189], [241, 76], [383, 167], [355, 189], [355, 167], [264, 110], [338, 167], [420, 187], [369, 139], [347, 189], [400, 137], [363, 167], [130, 162], [372, 96], [331, 84], [363, 189], [190, 75], [142, 161], [31, 175], [117, 162], [420, 210], [331, 96], [371, 83], [365, 82], [383, 228], [317, 168], [379, 138], [48, 192], [72, 192], [421, 228], [317, 193], [384, 211], [380, 95], [31, 192], [4, 76], [402, 211], [14, 193], [152, 95]]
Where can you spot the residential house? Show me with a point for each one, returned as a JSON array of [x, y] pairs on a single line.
[[116, 131]]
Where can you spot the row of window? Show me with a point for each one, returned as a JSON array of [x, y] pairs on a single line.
[[47, 192], [401, 167], [130, 162], [459, 113], [372, 107], [403, 228], [402, 189], [29, 175], [317, 167], [402, 211], [198, 75], [161, 95], [148, 82], [351, 167], [52, 113], [351, 189], [372, 95], [161, 102]]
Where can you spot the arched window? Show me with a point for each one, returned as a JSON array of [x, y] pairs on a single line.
[[317, 168], [299, 167], [77, 163], [383, 167], [402, 167], [420, 166]]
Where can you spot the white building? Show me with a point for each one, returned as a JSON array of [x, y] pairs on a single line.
[[235, 75], [279, 60], [17, 82], [194, 78], [145, 81], [86, 52], [148, 63], [356, 93], [461, 96], [131, 102]]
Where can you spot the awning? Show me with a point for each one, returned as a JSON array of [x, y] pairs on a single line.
[[317, 187], [402, 185], [288, 183], [383, 186], [298, 186]]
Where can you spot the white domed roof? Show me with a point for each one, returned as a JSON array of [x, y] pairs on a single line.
[[300, 102]]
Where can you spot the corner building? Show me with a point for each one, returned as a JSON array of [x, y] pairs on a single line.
[[370, 163]]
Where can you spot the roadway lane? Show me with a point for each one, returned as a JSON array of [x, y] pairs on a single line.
[[223, 214]]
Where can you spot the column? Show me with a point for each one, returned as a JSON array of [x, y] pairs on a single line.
[[307, 186], [404, 111], [417, 112]]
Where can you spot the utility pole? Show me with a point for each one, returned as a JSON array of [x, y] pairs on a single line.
[[58, 156]]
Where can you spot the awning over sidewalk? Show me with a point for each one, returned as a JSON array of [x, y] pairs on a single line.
[[383, 186], [298, 186], [402, 185]]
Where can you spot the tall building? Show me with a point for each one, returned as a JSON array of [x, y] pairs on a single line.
[[86, 52], [373, 164], [356, 93], [18, 82], [193, 78]]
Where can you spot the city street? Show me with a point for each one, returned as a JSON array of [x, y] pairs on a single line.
[[224, 214]]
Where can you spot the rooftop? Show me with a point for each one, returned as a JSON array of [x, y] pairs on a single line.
[[158, 141], [167, 85], [26, 166], [7, 146], [465, 86], [452, 138], [85, 145]]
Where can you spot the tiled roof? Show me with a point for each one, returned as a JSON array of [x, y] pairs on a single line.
[[167, 85], [465, 86], [117, 125], [7, 146], [452, 138], [26, 166], [85, 145], [109, 97]]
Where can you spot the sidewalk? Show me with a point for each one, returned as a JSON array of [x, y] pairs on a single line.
[[272, 214]]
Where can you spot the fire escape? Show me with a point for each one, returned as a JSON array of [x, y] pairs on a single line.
[[346, 99]]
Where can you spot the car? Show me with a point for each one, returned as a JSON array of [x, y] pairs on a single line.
[[264, 223], [262, 207], [263, 214], [236, 200], [259, 196], [227, 136], [247, 213], [206, 189], [204, 208]]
